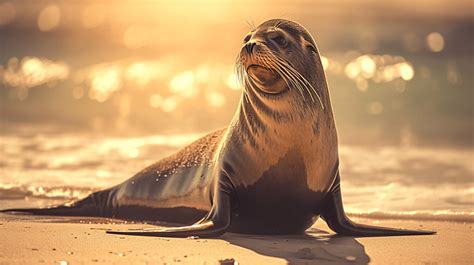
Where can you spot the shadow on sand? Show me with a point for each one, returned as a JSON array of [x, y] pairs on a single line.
[[314, 247]]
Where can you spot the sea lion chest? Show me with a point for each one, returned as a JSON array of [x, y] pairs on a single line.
[[278, 188]]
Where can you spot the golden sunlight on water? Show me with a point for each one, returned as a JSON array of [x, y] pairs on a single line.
[[378, 68], [144, 72], [103, 82], [183, 84], [31, 72], [105, 79]]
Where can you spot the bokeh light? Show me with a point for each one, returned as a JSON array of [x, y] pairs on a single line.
[[379, 69], [367, 65], [406, 71], [435, 41], [49, 18], [143, 73], [184, 84], [32, 72], [104, 81]]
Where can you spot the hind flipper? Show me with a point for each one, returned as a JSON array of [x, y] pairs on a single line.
[[334, 215], [96, 204], [56, 210], [214, 224]]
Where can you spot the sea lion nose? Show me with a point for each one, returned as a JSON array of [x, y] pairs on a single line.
[[249, 47]]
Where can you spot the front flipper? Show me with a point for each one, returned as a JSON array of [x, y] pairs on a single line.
[[203, 230], [334, 215], [216, 222]]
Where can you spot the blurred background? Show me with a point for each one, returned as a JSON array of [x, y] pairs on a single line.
[[92, 91]]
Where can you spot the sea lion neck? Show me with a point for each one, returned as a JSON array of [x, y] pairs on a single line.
[[276, 121]]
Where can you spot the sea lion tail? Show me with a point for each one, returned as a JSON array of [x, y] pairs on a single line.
[[92, 205], [334, 215]]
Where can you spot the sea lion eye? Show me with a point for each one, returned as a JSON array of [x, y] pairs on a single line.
[[247, 38], [312, 48], [278, 38]]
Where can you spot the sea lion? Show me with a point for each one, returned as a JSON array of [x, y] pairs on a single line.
[[273, 170]]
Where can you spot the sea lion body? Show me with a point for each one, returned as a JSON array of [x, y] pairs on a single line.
[[273, 170], [175, 189], [279, 185]]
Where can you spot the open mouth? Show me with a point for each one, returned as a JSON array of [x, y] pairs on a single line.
[[262, 74]]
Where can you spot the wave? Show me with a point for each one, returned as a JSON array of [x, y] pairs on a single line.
[[424, 215], [11, 192]]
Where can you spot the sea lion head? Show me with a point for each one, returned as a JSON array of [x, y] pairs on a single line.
[[280, 57]]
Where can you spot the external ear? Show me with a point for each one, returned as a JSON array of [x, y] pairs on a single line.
[[309, 45]]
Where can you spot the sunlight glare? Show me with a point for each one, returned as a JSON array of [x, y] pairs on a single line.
[[104, 82], [352, 70], [35, 71], [406, 71], [183, 84], [142, 73], [367, 65]]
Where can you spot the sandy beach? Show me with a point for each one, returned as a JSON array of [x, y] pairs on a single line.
[[60, 240]]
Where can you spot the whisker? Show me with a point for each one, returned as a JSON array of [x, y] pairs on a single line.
[[240, 72], [286, 71], [283, 70], [295, 75], [250, 25], [289, 74], [278, 23], [303, 79]]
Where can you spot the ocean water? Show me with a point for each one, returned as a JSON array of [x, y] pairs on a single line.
[[46, 168], [90, 94]]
